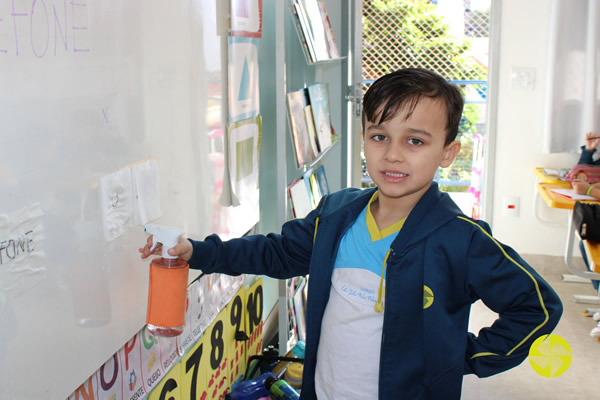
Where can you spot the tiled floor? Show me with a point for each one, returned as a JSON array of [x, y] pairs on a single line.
[[581, 381]]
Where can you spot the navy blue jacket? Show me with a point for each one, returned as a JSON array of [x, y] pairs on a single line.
[[424, 352], [586, 157]]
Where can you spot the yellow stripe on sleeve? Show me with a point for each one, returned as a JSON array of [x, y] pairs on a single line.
[[537, 288]]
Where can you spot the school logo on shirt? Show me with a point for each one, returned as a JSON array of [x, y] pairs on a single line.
[[427, 297], [550, 355]]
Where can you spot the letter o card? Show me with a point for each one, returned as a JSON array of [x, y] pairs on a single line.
[[110, 379], [169, 387]]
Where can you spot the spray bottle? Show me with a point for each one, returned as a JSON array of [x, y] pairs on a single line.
[[280, 389], [167, 293]]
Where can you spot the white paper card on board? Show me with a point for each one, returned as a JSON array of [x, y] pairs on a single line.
[[146, 196], [130, 358], [116, 200], [186, 339], [169, 352], [246, 18], [152, 372], [243, 78], [243, 144], [22, 257]]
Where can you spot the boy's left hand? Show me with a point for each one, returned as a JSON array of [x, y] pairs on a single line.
[[580, 187]]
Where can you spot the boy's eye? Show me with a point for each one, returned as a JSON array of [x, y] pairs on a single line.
[[378, 138], [415, 141]]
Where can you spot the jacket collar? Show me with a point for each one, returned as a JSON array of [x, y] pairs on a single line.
[[433, 210]]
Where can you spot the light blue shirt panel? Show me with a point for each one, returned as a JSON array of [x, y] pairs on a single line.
[[358, 251]]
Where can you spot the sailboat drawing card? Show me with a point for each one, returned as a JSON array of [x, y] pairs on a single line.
[[243, 94]]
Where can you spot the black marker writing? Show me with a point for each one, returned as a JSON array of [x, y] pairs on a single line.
[[15, 247]]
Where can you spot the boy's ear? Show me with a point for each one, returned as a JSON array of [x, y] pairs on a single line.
[[450, 153]]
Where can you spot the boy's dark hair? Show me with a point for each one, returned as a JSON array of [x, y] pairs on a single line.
[[403, 88]]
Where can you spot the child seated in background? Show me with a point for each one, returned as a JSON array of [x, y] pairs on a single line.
[[587, 151], [583, 187]]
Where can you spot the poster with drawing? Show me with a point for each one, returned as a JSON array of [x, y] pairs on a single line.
[[243, 94], [246, 18]]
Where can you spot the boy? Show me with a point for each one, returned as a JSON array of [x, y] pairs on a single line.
[[394, 270]]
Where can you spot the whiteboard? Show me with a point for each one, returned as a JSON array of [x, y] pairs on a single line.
[[89, 91]]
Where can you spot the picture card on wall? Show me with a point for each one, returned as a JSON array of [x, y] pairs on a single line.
[[243, 139], [116, 201], [246, 18], [243, 93], [146, 194], [24, 261]]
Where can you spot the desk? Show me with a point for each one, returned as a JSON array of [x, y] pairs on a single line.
[[545, 178], [592, 249], [555, 200]]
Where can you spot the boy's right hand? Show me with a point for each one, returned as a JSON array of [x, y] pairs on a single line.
[[592, 140], [183, 249]]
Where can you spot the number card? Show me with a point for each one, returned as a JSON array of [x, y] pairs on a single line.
[[254, 306], [218, 382], [193, 375], [237, 349]]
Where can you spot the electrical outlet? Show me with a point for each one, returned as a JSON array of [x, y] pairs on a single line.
[[510, 206], [523, 78]]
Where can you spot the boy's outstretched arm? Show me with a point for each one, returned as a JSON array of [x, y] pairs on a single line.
[[527, 306]]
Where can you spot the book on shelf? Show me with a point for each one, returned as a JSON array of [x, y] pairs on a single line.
[[292, 318], [317, 29], [318, 94], [312, 187], [302, 135], [301, 27], [300, 200], [322, 180], [299, 302], [331, 44], [314, 30], [313, 137]]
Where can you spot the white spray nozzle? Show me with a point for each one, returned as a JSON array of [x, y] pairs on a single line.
[[168, 236]]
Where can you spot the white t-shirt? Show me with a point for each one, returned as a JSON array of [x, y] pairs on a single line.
[[350, 344]]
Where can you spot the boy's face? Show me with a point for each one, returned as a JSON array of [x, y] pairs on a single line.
[[403, 154]]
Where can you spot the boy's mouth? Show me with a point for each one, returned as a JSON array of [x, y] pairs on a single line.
[[395, 174]]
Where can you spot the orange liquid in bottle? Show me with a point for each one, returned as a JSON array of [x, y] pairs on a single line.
[[167, 296]]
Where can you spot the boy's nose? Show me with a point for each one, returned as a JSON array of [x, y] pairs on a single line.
[[395, 153]]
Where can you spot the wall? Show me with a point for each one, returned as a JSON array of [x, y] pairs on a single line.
[[523, 43]]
